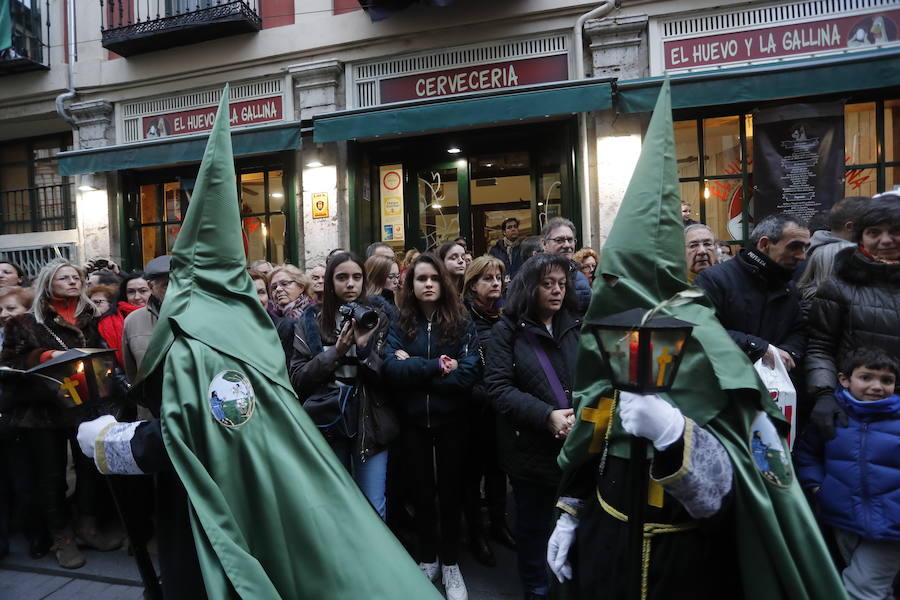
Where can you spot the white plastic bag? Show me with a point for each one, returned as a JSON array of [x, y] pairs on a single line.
[[782, 391]]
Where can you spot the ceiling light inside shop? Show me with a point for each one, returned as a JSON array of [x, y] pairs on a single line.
[[86, 188], [453, 150], [277, 195], [314, 164]]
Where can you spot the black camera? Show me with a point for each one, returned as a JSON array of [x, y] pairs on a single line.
[[364, 315]]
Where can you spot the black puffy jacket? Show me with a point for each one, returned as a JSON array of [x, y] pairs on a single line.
[[859, 306], [522, 394], [756, 302]]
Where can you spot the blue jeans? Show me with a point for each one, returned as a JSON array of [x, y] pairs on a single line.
[[369, 475], [535, 509]]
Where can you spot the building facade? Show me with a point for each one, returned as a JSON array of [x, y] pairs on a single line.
[[428, 123]]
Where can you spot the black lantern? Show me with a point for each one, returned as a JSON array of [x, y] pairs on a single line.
[[643, 356], [77, 377]]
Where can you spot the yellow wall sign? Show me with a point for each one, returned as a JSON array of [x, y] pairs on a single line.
[[391, 203], [319, 205]]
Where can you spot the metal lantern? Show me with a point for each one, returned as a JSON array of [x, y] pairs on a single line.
[[643, 356], [77, 377]]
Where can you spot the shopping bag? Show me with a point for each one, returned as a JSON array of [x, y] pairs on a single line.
[[782, 391]]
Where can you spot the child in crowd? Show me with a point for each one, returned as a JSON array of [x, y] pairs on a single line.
[[855, 477]]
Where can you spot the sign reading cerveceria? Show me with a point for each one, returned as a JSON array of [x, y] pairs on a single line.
[[248, 112]]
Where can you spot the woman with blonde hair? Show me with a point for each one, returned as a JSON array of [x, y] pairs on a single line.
[[588, 259], [382, 275], [288, 290], [62, 317]]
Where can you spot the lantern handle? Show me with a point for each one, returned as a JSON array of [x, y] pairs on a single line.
[[680, 299]]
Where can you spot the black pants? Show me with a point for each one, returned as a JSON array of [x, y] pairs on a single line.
[[482, 462], [49, 457], [436, 458], [17, 503]]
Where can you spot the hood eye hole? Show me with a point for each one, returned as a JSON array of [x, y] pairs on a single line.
[[611, 280]]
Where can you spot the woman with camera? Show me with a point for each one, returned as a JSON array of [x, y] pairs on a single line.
[[529, 375], [62, 317], [432, 359], [336, 371]]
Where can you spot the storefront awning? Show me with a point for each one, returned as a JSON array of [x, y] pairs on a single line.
[[831, 75], [183, 149], [465, 110]]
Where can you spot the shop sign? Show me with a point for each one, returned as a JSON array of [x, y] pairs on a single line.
[[476, 78], [319, 205], [795, 40], [391, 184], [247, 112]]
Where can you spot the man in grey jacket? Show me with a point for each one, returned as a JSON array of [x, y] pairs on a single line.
[[139, 324]]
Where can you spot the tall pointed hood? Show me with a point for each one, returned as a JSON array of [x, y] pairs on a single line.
[[274, 514], [781, 553]]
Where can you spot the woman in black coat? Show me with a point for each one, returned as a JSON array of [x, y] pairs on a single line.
[[859, 306], [335, 369], [62, 317], [432, 360], [529, 375]]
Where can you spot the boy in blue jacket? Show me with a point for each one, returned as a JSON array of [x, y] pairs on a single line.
[[855, 477]]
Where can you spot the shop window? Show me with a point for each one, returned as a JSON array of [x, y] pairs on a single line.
[[871, 147], [33, 196], [716, 186]]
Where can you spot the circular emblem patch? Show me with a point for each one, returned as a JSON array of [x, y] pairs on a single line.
[[770, 453], [231, 398]]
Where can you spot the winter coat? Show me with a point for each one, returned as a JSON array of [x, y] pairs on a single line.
[[484, 325], [522, 394], [136, 333], [425, 397], [511, 257], [857, 472], [756, 303], [111, 326], [25, 341], [859, 306], [582, 288], [312, 372]]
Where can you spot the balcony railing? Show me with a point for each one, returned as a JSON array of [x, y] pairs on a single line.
[[137, 26], [48, 208], [25, 49]]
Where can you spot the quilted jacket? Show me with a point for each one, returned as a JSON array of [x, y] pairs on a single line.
[[858, 472], [859, 306], [522, 394]]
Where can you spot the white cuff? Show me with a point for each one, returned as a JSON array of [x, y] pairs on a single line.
[[112, 450]]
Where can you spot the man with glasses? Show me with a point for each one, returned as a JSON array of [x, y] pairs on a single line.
[[558, 237], [699, 249]]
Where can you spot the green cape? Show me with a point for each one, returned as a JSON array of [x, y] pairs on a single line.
[[274, 514], [780, 550]]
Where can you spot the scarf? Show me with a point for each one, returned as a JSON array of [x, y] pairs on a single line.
[[870, 256], [64, 307]]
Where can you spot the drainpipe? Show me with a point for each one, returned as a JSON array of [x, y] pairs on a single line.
[[60, 108], [578, 41]]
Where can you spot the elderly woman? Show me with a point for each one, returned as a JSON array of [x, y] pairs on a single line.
[[859, 306], [529, 375], [288, 288], [588, 259], [62, 317]]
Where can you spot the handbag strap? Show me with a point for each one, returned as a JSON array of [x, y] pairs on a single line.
[[55, 337], [552, 378]]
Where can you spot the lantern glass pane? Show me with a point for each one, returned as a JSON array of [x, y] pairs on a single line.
[[104, 371], [667, 345], [615, 344]]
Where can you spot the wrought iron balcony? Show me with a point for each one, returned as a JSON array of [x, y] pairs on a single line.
[[137, 26], [46, 208], [22, 45]]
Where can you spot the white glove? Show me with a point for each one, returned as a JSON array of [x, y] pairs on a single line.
[[558, 547], [651, 417], [88, 432]]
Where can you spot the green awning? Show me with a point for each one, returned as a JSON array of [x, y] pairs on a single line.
[[5, 25], [461, 111], [789, 79], [183, 149]]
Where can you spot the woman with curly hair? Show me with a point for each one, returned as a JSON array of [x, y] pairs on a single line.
[[432, 359], [588, 259]]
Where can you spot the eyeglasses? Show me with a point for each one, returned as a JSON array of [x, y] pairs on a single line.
[[395, 277], [283, 284], [564, 240]]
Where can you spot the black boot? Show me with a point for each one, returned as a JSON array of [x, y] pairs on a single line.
[[501, 533], [481, 550]]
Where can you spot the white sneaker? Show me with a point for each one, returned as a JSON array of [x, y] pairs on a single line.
[[430, 570], [454, 587]]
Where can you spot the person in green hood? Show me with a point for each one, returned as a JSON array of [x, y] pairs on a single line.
[[715, 525]]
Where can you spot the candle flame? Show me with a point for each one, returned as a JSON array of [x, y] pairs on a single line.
[[79, 368]]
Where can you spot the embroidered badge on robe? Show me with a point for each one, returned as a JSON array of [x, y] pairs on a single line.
[[770, 453], [231, 398]]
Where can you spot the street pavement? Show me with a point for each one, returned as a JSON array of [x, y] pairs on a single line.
[[114, 576]]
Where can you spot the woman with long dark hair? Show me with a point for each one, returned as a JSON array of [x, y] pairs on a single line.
[[336, 371], [432, 359], [452, 254], [529, 374], [62, 317], [482, 294]]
